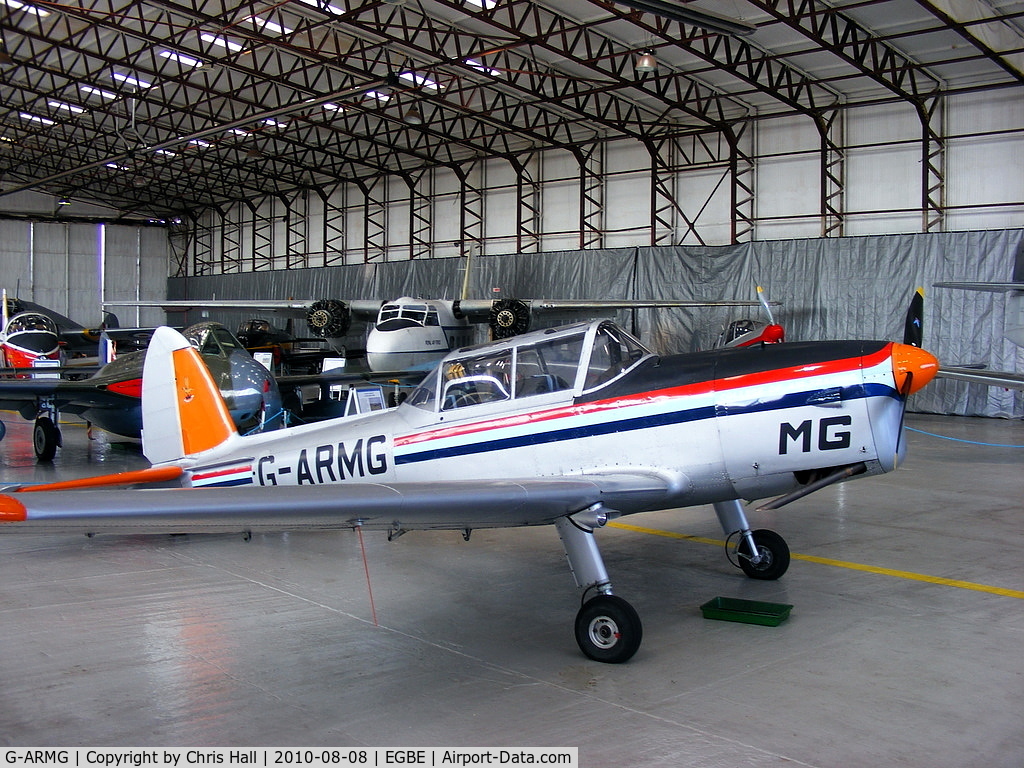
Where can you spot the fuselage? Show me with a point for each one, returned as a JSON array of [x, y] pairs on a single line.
[[724, 424], [410, 333]]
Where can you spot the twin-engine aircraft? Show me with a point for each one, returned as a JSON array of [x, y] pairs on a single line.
[[408, 333], [570, 426]]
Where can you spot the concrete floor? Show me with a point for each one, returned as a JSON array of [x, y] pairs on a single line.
[[213, 641]]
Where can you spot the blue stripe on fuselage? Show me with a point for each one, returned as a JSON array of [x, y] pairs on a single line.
[[795, 400]]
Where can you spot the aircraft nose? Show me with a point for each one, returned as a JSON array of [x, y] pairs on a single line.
[[915, 362]]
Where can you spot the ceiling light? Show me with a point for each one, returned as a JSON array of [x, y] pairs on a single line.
[[413, 116], [62, 201], [689, 15], [646, 63]]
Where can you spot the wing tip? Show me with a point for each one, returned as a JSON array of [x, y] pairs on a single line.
[[12, 510]]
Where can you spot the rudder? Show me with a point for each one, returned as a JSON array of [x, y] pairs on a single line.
[[182, 409]]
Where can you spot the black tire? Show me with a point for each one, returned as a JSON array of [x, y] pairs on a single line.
[[45, 439], [608, 629], [774, 556]]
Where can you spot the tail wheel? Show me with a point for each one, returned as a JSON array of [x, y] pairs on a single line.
[[509, 317], [774, 554], [45, 439], [328, 318], [608, 629]]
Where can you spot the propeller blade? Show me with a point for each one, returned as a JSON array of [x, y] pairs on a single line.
[[913, 328], [764, 303]]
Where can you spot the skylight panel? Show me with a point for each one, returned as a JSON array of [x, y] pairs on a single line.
[[37, 119], [184, 60], [223, 42], [129, 80]]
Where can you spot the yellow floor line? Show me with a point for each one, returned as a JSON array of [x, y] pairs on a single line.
[[839, 563]]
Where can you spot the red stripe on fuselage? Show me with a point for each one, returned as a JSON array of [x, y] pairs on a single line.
[[221, 472], [760, 378]]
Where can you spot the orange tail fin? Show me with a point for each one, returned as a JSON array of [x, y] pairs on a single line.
[[183, 412]]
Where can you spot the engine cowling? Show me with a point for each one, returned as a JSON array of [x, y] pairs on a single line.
[[329, 318], [509, 317]]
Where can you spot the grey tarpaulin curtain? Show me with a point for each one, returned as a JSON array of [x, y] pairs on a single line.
[[831, 288]]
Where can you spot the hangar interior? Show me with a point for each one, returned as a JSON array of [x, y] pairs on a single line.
[[838, 153]]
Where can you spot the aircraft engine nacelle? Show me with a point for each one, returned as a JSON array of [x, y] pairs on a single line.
[[329, 318], [508, 317]]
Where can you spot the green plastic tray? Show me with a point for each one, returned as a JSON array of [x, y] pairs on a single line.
[[746, 611]]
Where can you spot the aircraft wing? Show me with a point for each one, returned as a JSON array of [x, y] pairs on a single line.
[[71, 396], [395, 507], [1005, 379], [481, 308], [364, 309], [992, 287]]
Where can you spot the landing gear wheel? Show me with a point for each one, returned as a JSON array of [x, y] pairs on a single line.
[[45, 439], [774, 554], [608, 629]]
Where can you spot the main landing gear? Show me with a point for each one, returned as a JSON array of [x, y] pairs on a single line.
[[608, 628], [46, 437], [761, 554]]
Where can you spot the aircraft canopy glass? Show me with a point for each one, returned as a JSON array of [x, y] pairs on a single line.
[[31, 321], [399, 315], [537, 366]]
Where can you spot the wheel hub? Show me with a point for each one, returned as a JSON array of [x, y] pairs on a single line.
[[604, 633]]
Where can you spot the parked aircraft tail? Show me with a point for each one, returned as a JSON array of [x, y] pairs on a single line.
[[183, 412]]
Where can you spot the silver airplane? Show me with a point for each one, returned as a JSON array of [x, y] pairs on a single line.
[[569, 427]]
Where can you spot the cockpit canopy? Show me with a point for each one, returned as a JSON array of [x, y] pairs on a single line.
[[574, 358], [212, 339], [31, 321], [406, 313]]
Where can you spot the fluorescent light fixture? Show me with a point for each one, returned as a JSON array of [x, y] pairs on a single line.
[[200, 143], [485, 4], [324, 6], [271, 123], [129, 80], [240, 132], [378, 96], [90, 91], [265, 25], [69, 107], [37, 119], [117, 167], [223, 42], [333, 107], [183, 59], [165, 153], [419, 80], [30, 9], [483, 67], [687, 14]]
